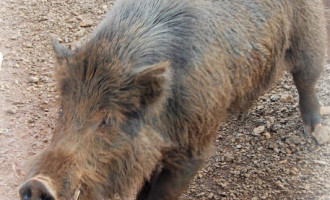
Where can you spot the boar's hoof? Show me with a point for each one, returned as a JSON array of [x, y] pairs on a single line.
[[309, 129], [35, 189]]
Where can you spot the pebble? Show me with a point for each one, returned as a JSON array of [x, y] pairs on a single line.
[[286, 98], [267, 135], [81, 33], [325, 110], [272, 145], [260, 148], [33, 79], [320, 162], [210, 196], [200, 194], [258, 130], [105, 7], [4, 131], [274, 97], [322, 134], [279, 184], [1, 58], [294, 171], [85, 23], [271, 119], [283, 161], [12, 110], [265, 196], [275, 127], [293, 140]]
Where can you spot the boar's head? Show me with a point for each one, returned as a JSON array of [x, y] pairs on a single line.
[[102, 144]]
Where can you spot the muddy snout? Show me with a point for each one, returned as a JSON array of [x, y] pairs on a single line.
[[37, 188]]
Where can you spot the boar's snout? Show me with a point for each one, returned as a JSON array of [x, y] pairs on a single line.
[[36, 189]]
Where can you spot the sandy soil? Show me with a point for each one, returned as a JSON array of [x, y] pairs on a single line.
[[276, 163]]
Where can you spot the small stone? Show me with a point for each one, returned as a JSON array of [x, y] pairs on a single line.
[[279, 184], [81, 33], [260, 107], [33, 79], [86, 23], [4, 131], [306, 187], [239, 146], [275, 128], [274, 98], [293, 140], [1, 58], [271, 120], [272, 145], [264, 196], [288, 151], [283, 161], [224, 184], [200, 194], [12, 110], [258, 130], [105, 7], [286, 98], [267, 135], [294, 171], [322, 134], [325, 110], [210, 196], [320, 162]]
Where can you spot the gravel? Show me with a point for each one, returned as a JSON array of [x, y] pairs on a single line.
[[263, 156]]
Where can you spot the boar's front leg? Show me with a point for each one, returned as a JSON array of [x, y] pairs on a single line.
[[179, 168]]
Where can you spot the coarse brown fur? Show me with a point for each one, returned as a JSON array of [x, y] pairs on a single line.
[[143, 99]]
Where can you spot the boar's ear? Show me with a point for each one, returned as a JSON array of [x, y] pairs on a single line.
[[60, 50], [153, 82]]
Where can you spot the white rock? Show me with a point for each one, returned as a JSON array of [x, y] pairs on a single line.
[[322, 134], [33, 79], [286, 98], [86, 23], [258, 130], [325, 111], [267, 135], [1, 58]]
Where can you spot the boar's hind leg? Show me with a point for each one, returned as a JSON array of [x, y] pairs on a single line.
[[305, 76], [306, 58], [172, 179]]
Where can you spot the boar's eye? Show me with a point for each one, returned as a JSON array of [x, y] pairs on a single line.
[[60, 112], [107, 121], [103, 123]]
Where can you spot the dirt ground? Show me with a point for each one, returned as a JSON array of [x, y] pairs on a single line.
[[274, 161]]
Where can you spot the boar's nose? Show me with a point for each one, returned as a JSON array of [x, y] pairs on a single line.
[[35, 189]]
